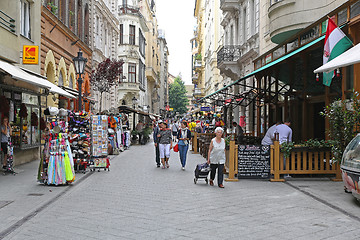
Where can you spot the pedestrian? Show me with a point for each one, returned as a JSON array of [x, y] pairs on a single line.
[[5, 136], [156, 143], [239, 132], [269, 135], [184, 136], [139, 128], [174, 129], [216, 157], [165, 144]]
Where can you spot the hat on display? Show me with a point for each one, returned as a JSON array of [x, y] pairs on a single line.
[[63, 112], [160, 121], [53, 111]]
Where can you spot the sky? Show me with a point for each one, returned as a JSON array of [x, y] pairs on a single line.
[[177, 19]]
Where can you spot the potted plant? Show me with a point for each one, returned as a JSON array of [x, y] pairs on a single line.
[[52, 7]]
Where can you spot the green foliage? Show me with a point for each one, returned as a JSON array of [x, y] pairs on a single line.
[[286, 148], [177, 96], [146, 132], [314, 143], [344, 118], [227, 141], [134, 132], [198, 56], [52, 7]]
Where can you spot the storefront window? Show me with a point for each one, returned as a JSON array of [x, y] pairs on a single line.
[[292, 45], [25, 130], [310, 35], [279, 52]]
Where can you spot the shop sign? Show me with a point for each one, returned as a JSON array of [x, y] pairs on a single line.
[[206, 109], [30, 54], [171, 109], [268, 58], [29, 99]]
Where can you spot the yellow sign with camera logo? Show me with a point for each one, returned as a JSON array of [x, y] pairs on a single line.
[[30, 54]]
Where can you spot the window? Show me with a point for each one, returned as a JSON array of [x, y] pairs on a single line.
[[71, 82], [79, 19], [61, 79], [132, 35], [121, 34], [142, 43], [25, 19], [354, 9], [72, 15], [132, 73], [86, 24], [62, 11], [141, 72]]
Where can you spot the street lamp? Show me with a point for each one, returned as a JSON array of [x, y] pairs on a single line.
[[134, 101], [79, 63]]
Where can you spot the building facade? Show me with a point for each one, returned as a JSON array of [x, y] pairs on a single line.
[[105, 35], [161, 94], [65, 28]]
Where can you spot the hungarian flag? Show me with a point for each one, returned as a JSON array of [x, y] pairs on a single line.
[[336, 42]]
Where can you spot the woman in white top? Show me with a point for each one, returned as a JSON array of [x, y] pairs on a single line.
[[216, 157]]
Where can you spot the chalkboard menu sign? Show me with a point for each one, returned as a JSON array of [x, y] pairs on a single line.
[[254, 161]]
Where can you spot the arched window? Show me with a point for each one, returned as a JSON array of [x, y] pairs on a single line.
[[86, 24], [79, 19], [71, 80], [61, 79]]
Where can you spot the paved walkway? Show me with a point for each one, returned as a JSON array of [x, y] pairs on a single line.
[[136, 200]]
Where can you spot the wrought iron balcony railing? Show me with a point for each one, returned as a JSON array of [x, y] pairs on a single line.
[[7, 21], [123, 9], [229, 54]]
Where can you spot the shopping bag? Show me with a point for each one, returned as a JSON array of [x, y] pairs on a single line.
[[176, 148]]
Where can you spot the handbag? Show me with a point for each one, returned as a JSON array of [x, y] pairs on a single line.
[[176, 148]]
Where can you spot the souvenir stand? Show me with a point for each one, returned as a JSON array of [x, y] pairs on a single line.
[[80, 139], [120, 137], [57, 165], [99, 134]]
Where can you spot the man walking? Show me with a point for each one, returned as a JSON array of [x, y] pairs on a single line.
[[156, 142]]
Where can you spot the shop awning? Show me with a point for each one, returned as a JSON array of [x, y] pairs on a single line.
[[349, 57], [32, 78], [267, 66]]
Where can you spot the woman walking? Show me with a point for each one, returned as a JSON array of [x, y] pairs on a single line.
[[184, 136], [5, 136], [216, 157], [165, 143]]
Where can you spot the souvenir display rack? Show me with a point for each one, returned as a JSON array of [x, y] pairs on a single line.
[[80, 139], [99, 134], [57, 165]]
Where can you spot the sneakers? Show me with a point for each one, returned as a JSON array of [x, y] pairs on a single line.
[[183, 168], [158, 165], [163, 167]]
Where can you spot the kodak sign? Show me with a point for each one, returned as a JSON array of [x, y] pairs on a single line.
[[30, 54]]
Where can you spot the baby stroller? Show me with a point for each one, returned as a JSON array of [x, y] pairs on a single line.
[[202, 171]]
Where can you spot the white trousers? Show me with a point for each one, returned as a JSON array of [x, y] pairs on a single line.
[[164, 150]]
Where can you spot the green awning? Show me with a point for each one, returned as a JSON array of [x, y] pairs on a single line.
[[268, 65]]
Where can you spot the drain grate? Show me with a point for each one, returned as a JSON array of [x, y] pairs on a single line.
[[35, 194], [4, 203], [304, 186]]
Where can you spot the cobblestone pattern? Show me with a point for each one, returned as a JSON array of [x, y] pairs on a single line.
[[136, 200]]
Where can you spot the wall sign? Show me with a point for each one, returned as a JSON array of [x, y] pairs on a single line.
[[30, 54]]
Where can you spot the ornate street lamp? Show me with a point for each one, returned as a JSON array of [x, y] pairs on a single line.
[[134, 101], [79, 63]]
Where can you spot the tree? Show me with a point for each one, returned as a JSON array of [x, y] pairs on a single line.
[[106, 75], [177, 96]]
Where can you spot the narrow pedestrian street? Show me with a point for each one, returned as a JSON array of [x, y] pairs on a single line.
[[136, 200]]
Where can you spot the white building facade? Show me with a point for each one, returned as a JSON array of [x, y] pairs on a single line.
[[105, 32]]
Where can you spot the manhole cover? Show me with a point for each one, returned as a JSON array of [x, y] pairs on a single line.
[[4, 203], [35, 194]]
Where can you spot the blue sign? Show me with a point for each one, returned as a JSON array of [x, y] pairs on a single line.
[[207, 109]]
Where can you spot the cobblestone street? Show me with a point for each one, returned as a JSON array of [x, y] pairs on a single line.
[[136, 200]]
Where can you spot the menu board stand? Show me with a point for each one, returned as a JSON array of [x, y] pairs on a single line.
[[254, 162]]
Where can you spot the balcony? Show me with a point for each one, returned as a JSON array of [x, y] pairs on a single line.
[[7, 21], [132, 10], [228, 61], [230, 5], [198, 92], [195, 77], [197, 64], [151, 76], [287, 17], [129, 87]]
